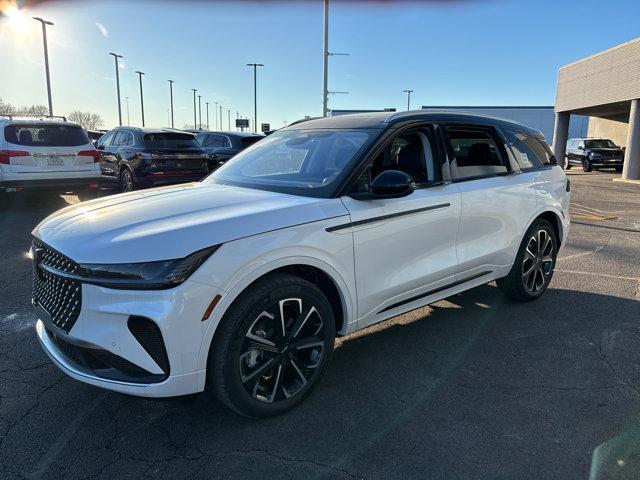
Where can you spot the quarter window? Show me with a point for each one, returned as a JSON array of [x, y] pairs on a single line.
[[476, 153], [527, 149]]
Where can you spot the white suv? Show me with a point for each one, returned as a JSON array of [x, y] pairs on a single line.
[[47, 152], [243, 280]]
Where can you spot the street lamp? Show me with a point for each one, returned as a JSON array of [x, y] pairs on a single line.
[[207, 115], [126, 100], [46, 58], [171, 100], [116, 57], [199, 113], [194, 107], [215, 115], [255, 94], [325, 61], [229, 119], [221, 117], [141, 96], [408, 92]]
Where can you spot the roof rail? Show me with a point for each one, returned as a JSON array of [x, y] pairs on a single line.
[[295, 122], [11, 116]]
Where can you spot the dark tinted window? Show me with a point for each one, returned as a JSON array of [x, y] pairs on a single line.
[[123, 139], [46, 135], [218, 141], [476, 152], [170, 140], [107, 139], [246, 141], [602, 143], [545, 154], [527, 149], [200, 138]]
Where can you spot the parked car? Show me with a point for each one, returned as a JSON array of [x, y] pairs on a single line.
[[46, 153], [221, 146], [594, 153], [243, 281], [134, 157], [94, 135]]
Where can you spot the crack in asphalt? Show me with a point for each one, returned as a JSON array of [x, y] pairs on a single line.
[[613, 370]]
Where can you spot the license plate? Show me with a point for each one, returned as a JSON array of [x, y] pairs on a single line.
[[55, 162]]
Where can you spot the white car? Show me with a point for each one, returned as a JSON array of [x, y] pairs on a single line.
[[45, 153], [243, 280]]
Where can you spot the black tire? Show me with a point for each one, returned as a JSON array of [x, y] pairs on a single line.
[[534, 253], [256, 370], [127, 181], [618, 168], [586, 165], [568, 166]]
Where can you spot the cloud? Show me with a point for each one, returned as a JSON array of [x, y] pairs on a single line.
[[103, 30]]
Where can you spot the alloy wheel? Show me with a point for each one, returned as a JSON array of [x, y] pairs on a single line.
[[126, 181], [282, 350], [537, 264]]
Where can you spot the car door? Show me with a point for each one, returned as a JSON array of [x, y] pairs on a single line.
[[404, 248], [498, 199], [108, 163]]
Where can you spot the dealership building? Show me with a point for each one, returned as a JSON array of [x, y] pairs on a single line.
[[606, 88]]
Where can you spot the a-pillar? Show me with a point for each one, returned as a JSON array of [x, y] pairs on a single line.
[[631, 169]]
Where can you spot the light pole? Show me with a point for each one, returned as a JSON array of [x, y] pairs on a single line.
[[199, 113], [46, 58], [215, 115], [126, 100], [229, 119], [255, 93], [171, 100], [194, 107], [207, 115], [408, 92], [141, 96], [325, 60], [116, 57], [221, 117]]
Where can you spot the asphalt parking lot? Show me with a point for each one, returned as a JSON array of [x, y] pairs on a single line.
[[472, 387]]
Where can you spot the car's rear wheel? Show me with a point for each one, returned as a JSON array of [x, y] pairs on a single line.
[[272, 346], [127, 182], [568, 166], [533, 269], [586, 165]]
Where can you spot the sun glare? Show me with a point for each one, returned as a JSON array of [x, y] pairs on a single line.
[[15, 18]]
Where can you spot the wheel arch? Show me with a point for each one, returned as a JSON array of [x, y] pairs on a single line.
[[313, 270], [553, 218]]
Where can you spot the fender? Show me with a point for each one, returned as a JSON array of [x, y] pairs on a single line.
[[242, 279]]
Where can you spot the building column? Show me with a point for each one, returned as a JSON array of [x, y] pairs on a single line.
[[560, 136], [631, 169]]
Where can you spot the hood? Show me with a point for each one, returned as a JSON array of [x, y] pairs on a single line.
[[172, 222]]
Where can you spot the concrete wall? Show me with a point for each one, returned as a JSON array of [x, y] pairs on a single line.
[[602, 128], [604, 78]]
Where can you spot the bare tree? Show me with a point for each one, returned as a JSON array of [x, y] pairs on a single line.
[[88, 120], [6, 108], [33, 110]]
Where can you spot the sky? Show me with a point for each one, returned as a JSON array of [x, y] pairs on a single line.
[[472, 52]]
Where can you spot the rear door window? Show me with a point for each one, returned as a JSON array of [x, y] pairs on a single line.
[[170, 140], [38, 135], [218, 141], [477, 153], [123, 139]]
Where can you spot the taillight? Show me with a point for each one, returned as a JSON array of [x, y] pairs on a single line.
[[5, 155], [90, 153]]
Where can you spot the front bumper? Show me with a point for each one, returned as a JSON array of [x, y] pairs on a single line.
[[103, 325]]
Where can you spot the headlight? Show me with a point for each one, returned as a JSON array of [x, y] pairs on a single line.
[[146, 275], [595, 155]]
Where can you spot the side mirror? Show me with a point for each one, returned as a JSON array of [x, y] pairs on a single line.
[[99, 147], [392, 184]]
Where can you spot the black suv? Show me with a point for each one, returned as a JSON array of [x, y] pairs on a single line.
[[221, 146], [145, 157], [594, 153]]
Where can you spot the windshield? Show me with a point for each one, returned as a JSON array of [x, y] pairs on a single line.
[[39, 135], [302, 162], [605, 143], [170, 140]]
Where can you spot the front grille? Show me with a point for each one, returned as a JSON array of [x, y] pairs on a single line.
[[60, 297]]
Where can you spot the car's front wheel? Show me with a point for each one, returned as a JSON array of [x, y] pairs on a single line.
[[586, 165], [272, 346], [533, 269]]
